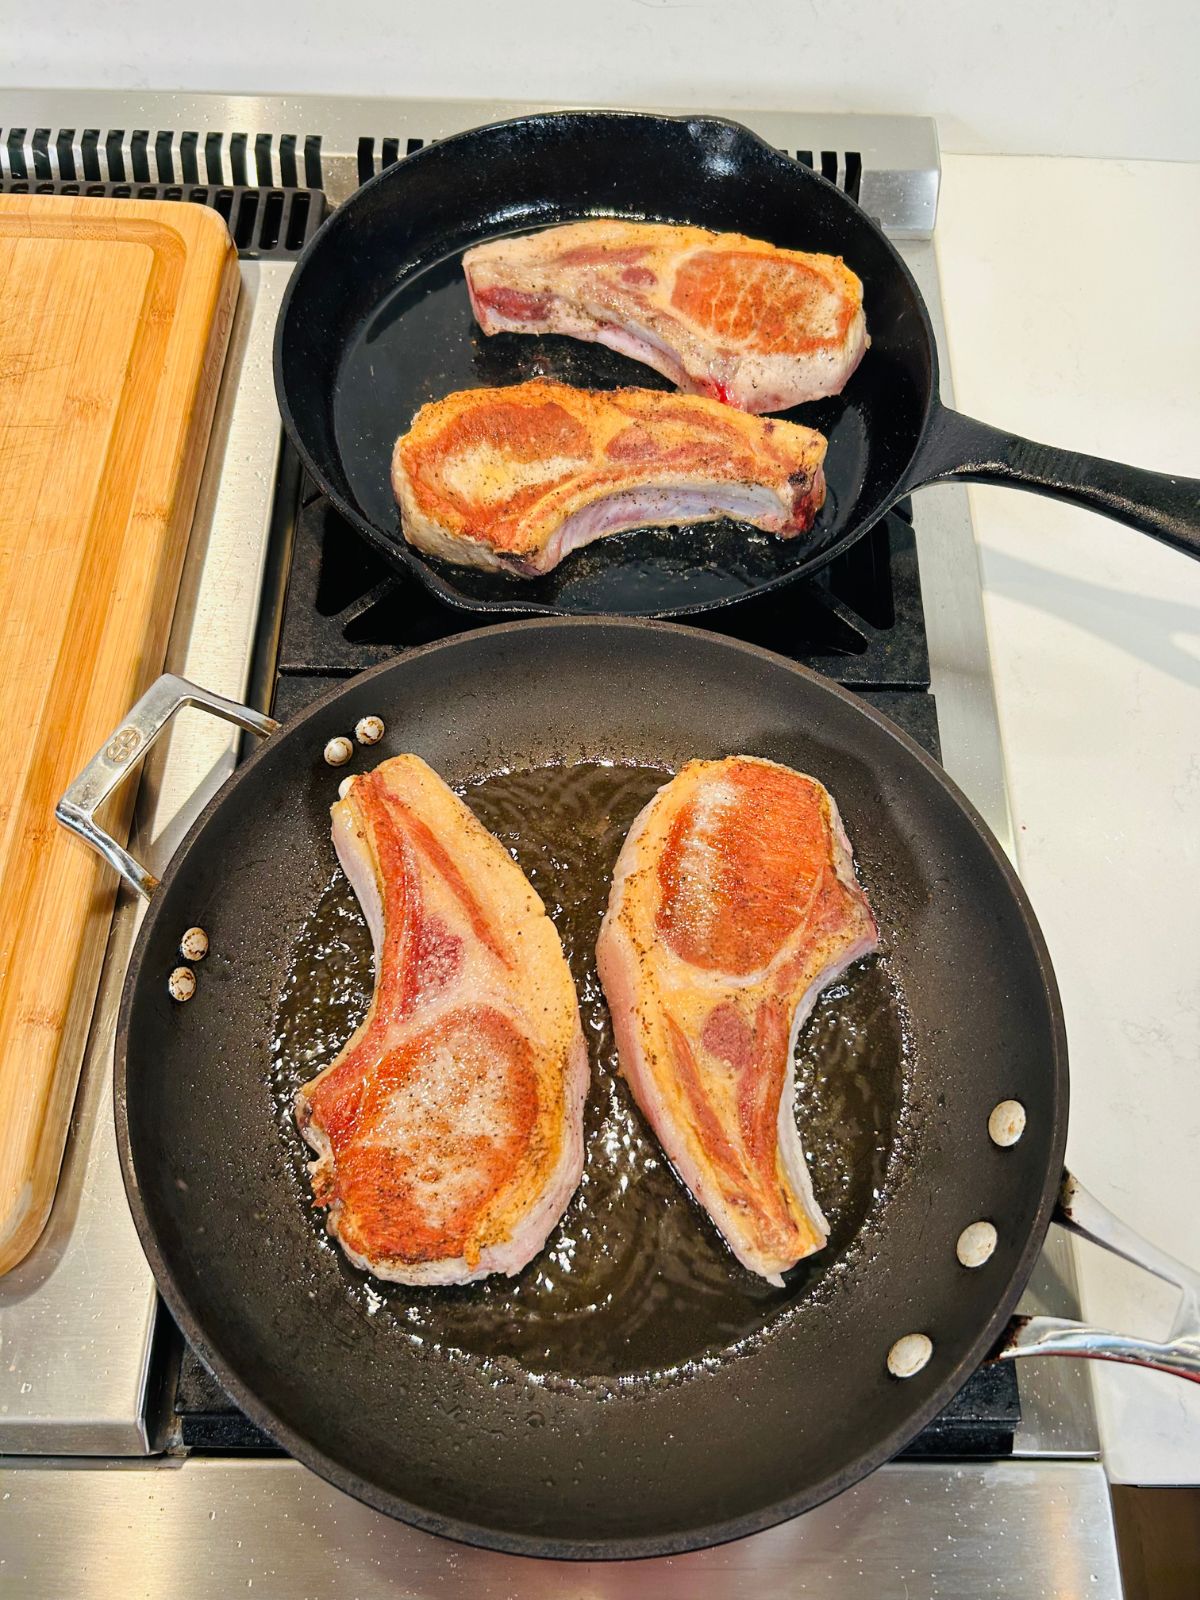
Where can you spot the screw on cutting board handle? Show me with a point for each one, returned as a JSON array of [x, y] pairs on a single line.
[[122, 751], [1178, 1354], [954, 446]]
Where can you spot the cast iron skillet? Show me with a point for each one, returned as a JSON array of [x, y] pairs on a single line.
[[376, 322], [570, 1460]]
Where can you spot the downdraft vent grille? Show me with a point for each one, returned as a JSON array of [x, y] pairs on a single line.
[[138, 155], [266, 224], [890, 165], [841, 167], [371, 160]]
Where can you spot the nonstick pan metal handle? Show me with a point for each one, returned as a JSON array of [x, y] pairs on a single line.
[[1178, 1354], [954, 446], [120, 754]]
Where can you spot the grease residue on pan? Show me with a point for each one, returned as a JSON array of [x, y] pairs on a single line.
[[634, 1279]]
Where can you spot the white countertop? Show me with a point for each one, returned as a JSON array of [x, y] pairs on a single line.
[[1024, 76], [1070, 298]]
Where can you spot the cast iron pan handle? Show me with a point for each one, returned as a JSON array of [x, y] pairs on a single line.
[[955, 446], [122, 751], [1178, 1354]]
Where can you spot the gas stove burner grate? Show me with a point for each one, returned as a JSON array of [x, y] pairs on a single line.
[[859, 620], [265, 224], [980, 1421]]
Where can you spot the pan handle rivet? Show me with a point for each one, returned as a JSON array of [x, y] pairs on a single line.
[[908, 1355], [1006, 1123], [975, 1244], [369, 730], [338, 751], [182, 983], [194, 945]]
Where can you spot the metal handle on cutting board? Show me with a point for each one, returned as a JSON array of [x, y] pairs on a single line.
[[1178, 1354], [121, 752]]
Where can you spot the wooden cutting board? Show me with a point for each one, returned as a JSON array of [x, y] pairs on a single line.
[[114, 318]]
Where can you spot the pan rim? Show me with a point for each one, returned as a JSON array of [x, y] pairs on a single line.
[[398, 548], [677, 1541]]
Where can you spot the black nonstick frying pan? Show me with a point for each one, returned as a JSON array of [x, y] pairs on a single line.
[[376, 322], [634, 1392]]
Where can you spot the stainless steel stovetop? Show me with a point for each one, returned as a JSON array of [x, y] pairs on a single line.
[[91, 1499]]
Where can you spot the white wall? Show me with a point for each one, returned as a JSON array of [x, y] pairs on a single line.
[[1071, 77]]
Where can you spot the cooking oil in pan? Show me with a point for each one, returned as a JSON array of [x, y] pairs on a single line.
[[634, 1279]]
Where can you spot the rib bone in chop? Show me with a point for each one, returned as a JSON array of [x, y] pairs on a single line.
[[734, 903], [513, 479], [718, 314], [449, 1129]]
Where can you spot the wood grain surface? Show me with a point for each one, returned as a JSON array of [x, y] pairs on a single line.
[[114, 318]]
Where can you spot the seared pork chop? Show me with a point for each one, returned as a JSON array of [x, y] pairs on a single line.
[[734, 903], [514, 479], [718, 314], [449, 1128]]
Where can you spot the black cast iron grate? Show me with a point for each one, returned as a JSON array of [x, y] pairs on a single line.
[[979, 1422], [859, 620], [265, 224]]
